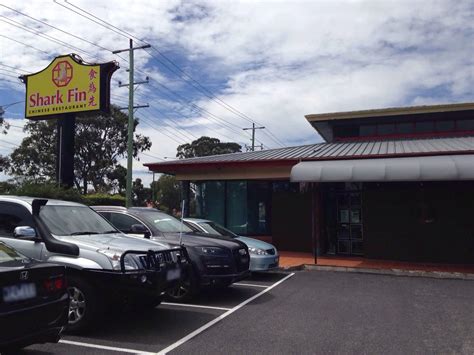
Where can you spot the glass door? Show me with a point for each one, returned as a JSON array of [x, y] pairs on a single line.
[[349, 224]]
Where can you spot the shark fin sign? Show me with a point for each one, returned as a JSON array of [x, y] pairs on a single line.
[[68, 85]]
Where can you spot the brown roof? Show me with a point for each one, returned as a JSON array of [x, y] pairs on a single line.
[[326, 151]]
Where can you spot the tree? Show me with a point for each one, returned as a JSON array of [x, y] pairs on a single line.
[[3, 163], [205, 146], [4, 126], [140, 193], [101, 140], [118, 179], [168, 192]]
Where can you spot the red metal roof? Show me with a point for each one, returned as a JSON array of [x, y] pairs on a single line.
[[325, 151]]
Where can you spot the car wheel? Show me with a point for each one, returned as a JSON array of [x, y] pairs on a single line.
[[185, 291], [83, 304]]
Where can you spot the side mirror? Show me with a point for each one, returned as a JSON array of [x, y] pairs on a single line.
[[138, 229], [25, 232]]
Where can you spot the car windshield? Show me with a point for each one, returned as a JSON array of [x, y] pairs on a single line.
[[165, 223], [8, 254], [74, 220], [214, 228]]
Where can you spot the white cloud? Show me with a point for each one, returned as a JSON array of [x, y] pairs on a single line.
[[275, 61]]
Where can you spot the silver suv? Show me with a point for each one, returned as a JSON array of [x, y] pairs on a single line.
[[104, 266]]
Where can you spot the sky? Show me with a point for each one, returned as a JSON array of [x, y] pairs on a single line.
[[217, 66]]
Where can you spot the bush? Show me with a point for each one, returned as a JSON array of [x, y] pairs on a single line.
[[50, 190], [47, 190], [104, 199]]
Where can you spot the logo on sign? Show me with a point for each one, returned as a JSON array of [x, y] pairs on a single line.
[[24, 275], [62, 73]]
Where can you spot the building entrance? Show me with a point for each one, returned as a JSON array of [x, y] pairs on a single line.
[[349, 231]]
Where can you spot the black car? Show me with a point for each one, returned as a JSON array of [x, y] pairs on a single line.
[[34, 300], [215, 261]]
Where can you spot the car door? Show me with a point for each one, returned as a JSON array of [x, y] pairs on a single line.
[[14, 215]]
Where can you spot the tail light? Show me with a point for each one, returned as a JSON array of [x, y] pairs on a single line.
[[55, 284]]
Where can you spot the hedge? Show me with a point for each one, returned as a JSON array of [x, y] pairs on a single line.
[[103, 199], [52, 191]]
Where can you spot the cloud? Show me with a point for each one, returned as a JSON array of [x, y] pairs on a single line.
[[272, 61]]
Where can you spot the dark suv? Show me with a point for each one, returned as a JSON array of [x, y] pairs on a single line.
[[216, 261]]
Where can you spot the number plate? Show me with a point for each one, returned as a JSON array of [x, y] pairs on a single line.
[[19, 292], [173, 274]]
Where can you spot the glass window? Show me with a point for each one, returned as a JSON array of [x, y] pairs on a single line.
[[214, 228], [343, 216], [355, 216], [465, 125], [122, 222], [74, 220], [8, 223], [164, 222], [405, 128], [368, 130], [8, 254], [210, 198], [424, 127], [236, 207], [13, 215], [259, 196], [386, 129], [444, 126]]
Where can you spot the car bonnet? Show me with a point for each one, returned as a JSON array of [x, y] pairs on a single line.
[[116, 241]]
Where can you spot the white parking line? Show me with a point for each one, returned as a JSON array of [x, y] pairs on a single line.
[[194, 306], [221, 317], [248, 285], [104, 347]]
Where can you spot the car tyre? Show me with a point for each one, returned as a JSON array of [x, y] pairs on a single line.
[[186, 290], [84, 304]]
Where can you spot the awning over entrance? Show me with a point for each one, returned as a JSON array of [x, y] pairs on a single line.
[[427, 168]]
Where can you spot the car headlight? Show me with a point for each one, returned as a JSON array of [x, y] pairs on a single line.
[[114, 257], [257, 251], [213, 251]]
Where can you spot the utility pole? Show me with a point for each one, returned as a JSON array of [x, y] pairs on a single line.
[[131, 88], [253, 128]]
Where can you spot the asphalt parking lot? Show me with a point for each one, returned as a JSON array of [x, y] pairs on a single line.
[[165, 327], [306, 312]]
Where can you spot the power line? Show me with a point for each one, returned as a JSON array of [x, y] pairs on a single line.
[[56, 28], [39, 34], [210, 120], [26, 45], [15, 68], [200, 87]]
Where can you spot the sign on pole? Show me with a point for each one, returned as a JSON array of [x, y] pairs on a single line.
[[68, 85], [65, 87]]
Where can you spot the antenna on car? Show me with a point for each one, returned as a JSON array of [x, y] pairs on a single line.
[[181, 228]]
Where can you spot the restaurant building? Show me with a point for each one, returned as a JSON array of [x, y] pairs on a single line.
[[394, 184]]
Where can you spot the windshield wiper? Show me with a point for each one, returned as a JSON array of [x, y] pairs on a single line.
[[83, 233], [110, 232]]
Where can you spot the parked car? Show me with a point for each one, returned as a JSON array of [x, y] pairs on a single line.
[[216, 261], [34, 301], [104, 265], [263, 256]]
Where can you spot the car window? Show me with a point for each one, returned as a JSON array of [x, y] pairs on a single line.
[[193, 227], [165, 223], [13, 215], [214, 228], [8, 254], [122, 221], [74, 220]]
